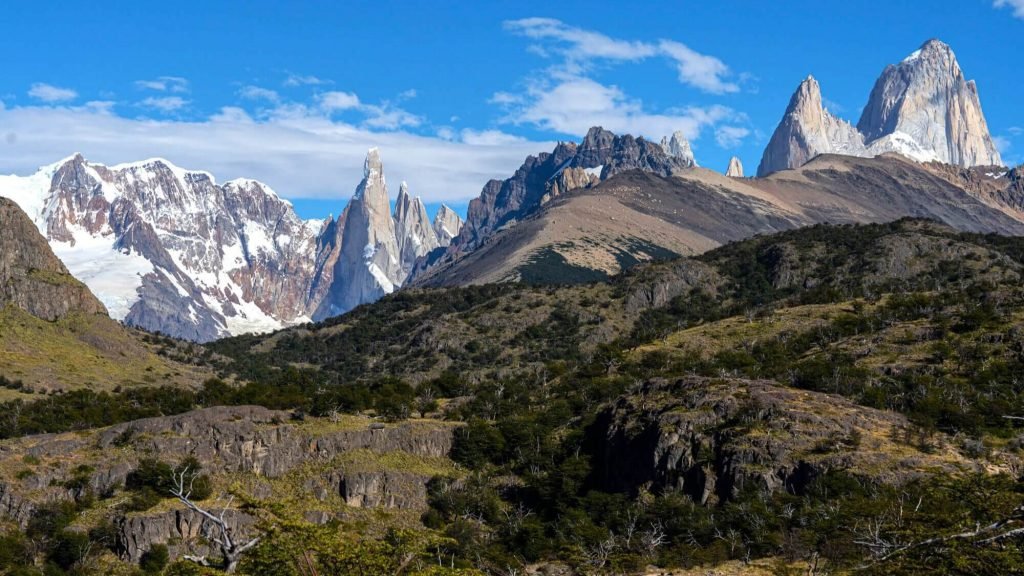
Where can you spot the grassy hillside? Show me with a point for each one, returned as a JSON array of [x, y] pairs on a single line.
[[82, 351]]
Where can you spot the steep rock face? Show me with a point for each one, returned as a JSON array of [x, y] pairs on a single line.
[[447, 225], [807, 130], [735, 169], [926, 99], [415, 234], [922, 108], [369, 264], [31, 276]]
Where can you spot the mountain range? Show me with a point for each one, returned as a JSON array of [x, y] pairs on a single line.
[[171, 250]]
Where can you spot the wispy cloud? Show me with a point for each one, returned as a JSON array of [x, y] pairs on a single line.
[[335, 101], [579, 48], [384, 116], [1016, 5], [165, 104], [731, 136], [567, 98], [259, 93], [304, 80], [51, 94], [174, 84]]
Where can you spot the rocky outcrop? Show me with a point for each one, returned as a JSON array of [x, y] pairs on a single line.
[[32, 277], [735, 169], [183, 531], [926, 100], [922, 108], [807, 130], [678, 147], [570, 179], [447, 225], [264, 444], [712, 438]]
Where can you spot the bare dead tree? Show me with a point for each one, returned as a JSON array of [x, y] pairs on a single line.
[[219, 532], [1011, 526]]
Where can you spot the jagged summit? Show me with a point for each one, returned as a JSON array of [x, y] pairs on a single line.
[[926, 99], [921, 108]]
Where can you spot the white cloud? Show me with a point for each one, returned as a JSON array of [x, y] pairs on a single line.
[[698, 70], [1016, 5], [573, 105], [333, 101], [174, 84], [580, 43], [731, 136], [299, 80], [299, 151], [165, 104], [408, 94], [258, 93], [1015, 130], [50, 93], [384, 116], [579, 47]]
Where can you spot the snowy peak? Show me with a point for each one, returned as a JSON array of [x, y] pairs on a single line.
[[921, 108], [678, 147], [926, 101]]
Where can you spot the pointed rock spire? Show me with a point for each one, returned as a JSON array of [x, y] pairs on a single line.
[[447, 225], [924, 108], [368, 266], [679, 147], [414, 233], [807, 130], [735, 169]]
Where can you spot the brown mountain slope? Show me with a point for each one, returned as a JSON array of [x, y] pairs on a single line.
[[633, 217]]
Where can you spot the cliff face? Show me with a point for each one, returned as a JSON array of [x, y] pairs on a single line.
[[925, 98], [711, 439], [31, 276]]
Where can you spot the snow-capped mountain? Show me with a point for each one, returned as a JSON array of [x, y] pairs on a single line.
[[922, 108], [171, 250]]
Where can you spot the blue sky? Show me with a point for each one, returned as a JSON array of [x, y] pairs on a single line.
[[454, 93]]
